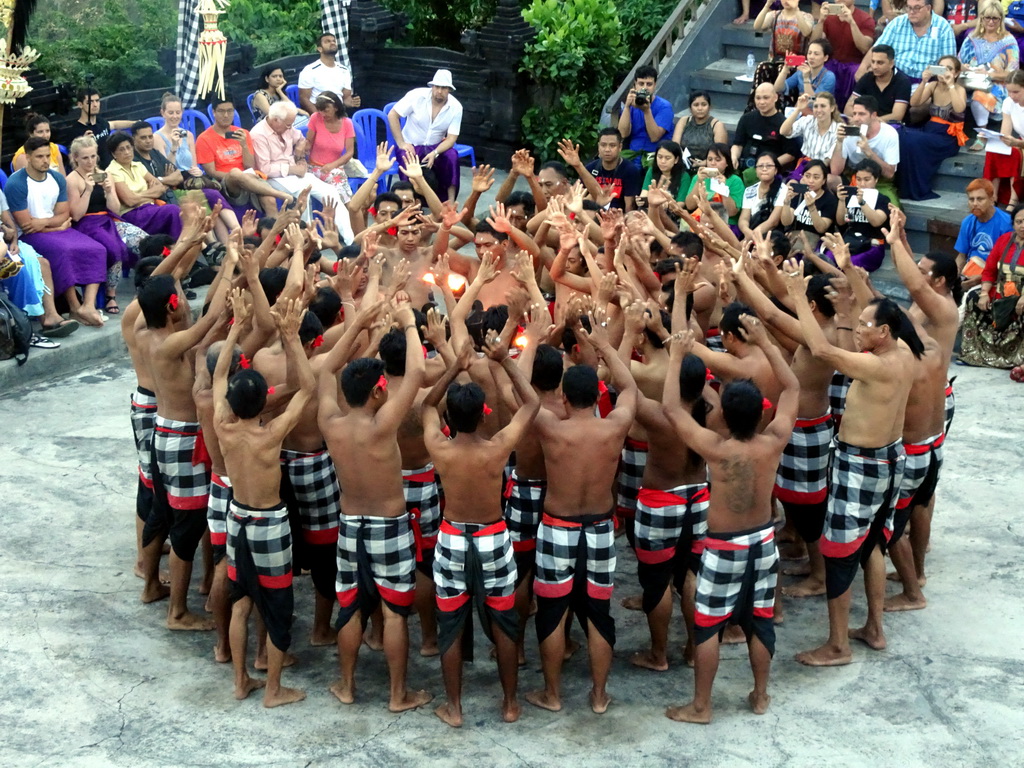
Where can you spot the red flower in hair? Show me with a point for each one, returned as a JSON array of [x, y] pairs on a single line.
[[372, 211], [708, 375], [277, 240], [173, 301], [231, 321], [424, 351], [270, 390], [392, 231], [165, 251], [382, 382], [487, 410], [244, 362], [766, 404], [318, 341], [336, 266]]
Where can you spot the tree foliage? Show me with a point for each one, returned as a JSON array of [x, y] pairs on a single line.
[[276, 28]]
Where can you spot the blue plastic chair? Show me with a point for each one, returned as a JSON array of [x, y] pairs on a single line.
[[252, 111], [367, 124], [236, 119], [401, 121], [157, 122], [292, 92], [195, 121], [3, 179], [463, 150]]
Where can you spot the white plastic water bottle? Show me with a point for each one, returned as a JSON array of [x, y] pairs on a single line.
[[750, 65]]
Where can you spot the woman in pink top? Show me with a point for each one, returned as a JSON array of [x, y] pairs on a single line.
[[332, 143]]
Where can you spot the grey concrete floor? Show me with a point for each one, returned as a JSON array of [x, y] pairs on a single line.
[[91, 678]]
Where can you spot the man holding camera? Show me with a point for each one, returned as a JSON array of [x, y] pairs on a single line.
[[760, 130], [224, 151], [646, 119], [867, 137], [851, 32]]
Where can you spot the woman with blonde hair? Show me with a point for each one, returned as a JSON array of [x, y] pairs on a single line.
[[992, 51]]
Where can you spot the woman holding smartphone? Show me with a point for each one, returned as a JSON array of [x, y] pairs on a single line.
[[807, 205], [721, 181], [923, 149], [94, 212]]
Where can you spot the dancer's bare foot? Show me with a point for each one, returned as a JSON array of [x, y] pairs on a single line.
[[247, 686], [571, 646], [450, 715], [874, 639], [344, 694], [190, 622], [510, 710], [801, 569], [733, 634], [647, 660], [282, 696], [159, 592], [373, 642], [430, 649], [411, 700], [633, 603], [261, 662], [894, 576], [689, 714], [758, 702], [825, 656], [222, 655], [794, 550], [544, 701], [326, 637], [902, 602], [165, 577], [599, 703], [806, 588]]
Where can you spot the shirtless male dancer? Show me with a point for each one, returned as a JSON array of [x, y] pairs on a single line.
[[868, 460], [259, 551], [672, 504], [801, 482], [474, 561], [576, 537], [739, 564], [936, 290], [182, 474], [376, 546]]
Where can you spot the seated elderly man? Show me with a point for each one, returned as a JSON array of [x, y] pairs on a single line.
[[433, 122], [224, 151], [281, 154]]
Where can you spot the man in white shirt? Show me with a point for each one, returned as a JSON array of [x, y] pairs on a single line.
[[281, 151], [325, 74], [433, 122], [881, 144]]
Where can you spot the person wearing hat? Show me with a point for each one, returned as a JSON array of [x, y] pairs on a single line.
[[433, 121]]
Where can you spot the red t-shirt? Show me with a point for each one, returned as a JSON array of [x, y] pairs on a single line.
[[225, 154], [838, 33]]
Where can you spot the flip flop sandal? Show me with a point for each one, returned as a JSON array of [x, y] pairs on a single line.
[[59, 331], [111, 307], [42, 343]]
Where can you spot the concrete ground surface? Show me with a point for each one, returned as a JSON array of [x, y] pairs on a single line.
[[92, 678]]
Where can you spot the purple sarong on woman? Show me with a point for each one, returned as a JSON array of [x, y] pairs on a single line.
[[101, 228], [75, 258], [156, 219]]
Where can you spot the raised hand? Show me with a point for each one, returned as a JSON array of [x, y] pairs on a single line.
[[294, 238], [483, 178], [686, 278], [385, 156], [499, 219], [495, 347], [611, 223], [288, 317], [569, 152], [635, 318], [681, 342], [488, 269], [753, 331], [450, 215], [241, 306], [840, 250], [522, 162], [523, 270], [411, 166], [249, 223], [840, 293], [434, 330], [793, 277]]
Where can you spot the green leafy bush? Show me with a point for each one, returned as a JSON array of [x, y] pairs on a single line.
[[441, 22], [276, 29], [114, 42], [577, 51], [641, 21]]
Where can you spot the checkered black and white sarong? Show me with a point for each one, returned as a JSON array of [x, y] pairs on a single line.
[[736, 581], [376, 561], [837, 395], [632, 464], [863, 489], [474, 561], [259, 551], [950, 405], [524, 507], [315, 492], [423, 503], [575, 567], [920, 478], [217, 515], [670, 530], [143, 415], [185, 478], [802, 476]]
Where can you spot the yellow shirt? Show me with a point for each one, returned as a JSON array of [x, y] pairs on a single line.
[[56, 161], [133, 177]]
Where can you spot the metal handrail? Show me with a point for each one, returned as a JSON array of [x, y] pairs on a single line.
[[661, 47]]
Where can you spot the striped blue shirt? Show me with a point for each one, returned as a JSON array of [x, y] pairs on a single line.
[[914, 52]]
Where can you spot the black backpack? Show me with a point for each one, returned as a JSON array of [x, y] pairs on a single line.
[[15, 331]]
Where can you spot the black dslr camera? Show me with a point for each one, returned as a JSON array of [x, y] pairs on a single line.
[[642, 97]]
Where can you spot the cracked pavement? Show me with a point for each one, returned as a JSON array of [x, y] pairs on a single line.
[[92, 678]]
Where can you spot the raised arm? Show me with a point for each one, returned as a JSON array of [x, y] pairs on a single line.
[[700, 439], [288, 316], [781, 426], [401, 400]]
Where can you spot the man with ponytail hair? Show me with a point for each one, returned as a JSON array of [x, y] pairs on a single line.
[[868, 464]]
